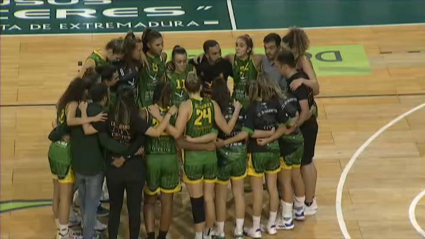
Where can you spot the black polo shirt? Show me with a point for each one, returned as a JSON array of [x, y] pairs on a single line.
[[208, 72]]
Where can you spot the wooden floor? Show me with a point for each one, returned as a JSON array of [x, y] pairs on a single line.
[[379, 188]]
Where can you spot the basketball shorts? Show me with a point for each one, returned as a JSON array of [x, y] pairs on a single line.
[[263, 162], [292, 160], [231, 164], [309, 129], [59, 156], [199, 166], [162, 174]]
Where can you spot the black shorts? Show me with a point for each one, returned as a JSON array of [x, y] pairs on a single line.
[[309, 130]]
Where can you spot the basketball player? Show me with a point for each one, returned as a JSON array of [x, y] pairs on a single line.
[[162, 166], [130, 66], [112, 52], [231, 162], [296, 41], [196, 118], [262, 114], [178, 76], [286, 64], [60, 159], [153, 45], [291, 144]]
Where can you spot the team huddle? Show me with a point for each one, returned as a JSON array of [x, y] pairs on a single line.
[[147, 125]]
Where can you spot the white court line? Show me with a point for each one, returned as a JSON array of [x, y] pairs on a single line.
[[212, 31], [412, 215], [353, 159], [231, 15]]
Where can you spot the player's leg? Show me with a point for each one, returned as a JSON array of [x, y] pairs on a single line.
[[285, 221], [153, 174], [298, 183], [308, 169], [238, 175], [272, 168], [210, 178], [170, 184], [55, 201], [223, 176], [256, 174], [193, 178], [65, 194]]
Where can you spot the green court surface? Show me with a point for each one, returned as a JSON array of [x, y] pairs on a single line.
[[107, 16]]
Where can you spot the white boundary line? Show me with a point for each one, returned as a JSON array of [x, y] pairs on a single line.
[[215, 31], [344, 174], [231, 15], [412, 214]]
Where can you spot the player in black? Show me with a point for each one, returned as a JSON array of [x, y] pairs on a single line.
[[307, 122]]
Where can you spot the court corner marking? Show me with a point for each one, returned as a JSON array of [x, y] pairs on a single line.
[[412, 214], [231, 15], [344, 174]]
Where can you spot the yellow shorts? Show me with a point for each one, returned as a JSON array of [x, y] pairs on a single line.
[[69, 178]]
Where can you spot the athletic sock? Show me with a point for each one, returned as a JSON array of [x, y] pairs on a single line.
[[63, 229], [256, 222], [207, 231], [198, 235], [150, 235], [287, 210], [239, 224], [272, 218], [220, 227], [162, 234], [298, 202]]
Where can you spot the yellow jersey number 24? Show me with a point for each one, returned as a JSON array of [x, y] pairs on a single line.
[[202, 115]]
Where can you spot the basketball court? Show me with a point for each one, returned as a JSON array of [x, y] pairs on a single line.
[[369, 57]]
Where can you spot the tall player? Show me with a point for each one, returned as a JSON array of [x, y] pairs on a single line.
[[153, 44], [307, 121], [196, 119]]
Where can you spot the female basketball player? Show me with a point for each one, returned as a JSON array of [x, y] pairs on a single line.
[[112, 52], [153, 45], [231, 162], [291, 151], [195, 118], [130, 66], [263, 114], [178, 76], [59, 153], [296, 41], [162, 166], [124, 125]]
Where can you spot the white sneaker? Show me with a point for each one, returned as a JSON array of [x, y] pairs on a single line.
[[238, 234], [312, 209], [298, 213], [252, 232], [98, 227], [284, 223]]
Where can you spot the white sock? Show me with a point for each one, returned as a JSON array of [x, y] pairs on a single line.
[[287, 210], [299, 202], [272, 218], [207, 231], [220, 227], [63, 229], [198, 235], [239, 224], [57, 223], [256, 222]]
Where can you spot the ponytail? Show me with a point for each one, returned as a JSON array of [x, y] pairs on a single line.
[[148, 36]]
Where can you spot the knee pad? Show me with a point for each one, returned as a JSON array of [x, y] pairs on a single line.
[[198, 210]]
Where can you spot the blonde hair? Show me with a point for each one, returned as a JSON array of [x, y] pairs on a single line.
[[268, 87], [192, 83]]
